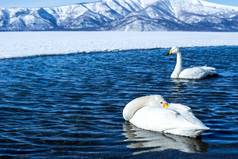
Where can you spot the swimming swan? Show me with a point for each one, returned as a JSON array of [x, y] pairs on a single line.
[[155, 114], [189, 73]]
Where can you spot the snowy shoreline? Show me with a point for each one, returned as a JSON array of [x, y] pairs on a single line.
[[19, 44]]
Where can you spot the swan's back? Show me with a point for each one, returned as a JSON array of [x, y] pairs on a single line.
[[186, 112], [197, 72]]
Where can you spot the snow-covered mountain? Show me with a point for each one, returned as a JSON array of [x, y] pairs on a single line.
[[135, 15]]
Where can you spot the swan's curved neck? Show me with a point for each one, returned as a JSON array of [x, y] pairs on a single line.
[[178, 67], [136, 104]]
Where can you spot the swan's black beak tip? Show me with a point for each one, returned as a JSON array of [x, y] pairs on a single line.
[[167, 54]]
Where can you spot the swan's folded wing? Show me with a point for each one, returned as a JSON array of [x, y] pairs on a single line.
[[156, 119], [208, 68], [179, 107], [187, 114], [197, 72]]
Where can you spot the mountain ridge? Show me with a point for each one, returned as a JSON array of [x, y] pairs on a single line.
[[123, 15]]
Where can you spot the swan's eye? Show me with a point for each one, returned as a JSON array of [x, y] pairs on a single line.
[[161, 102]]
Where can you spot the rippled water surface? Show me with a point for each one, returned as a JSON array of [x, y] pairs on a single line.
[[71, 106]]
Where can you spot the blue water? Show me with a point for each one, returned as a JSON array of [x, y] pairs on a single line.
[[71, 105]]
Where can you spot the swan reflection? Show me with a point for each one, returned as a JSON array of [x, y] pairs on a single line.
[[147, 141]]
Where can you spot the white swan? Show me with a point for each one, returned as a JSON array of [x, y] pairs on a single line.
[[155, 114], [189, 73]]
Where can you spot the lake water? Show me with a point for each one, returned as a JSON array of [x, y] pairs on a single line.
[[71, 105]]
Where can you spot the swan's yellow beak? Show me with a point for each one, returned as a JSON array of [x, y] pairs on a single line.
[[165, 105]]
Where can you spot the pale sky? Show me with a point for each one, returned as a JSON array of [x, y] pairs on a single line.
[[48, 3]]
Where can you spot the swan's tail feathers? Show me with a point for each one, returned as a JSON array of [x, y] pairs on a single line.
[[208, 68], [192, 132], [211, 71]]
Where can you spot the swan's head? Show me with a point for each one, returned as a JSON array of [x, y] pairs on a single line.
[[173, 50], [161, 101]]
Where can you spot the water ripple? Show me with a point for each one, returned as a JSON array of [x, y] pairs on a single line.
[[70, 106]]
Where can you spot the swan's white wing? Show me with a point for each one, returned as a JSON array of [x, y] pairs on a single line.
[[197, 72], [179, 107], [187, 114], [156, 119]]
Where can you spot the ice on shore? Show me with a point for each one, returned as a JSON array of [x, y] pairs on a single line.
[[18, 44]]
